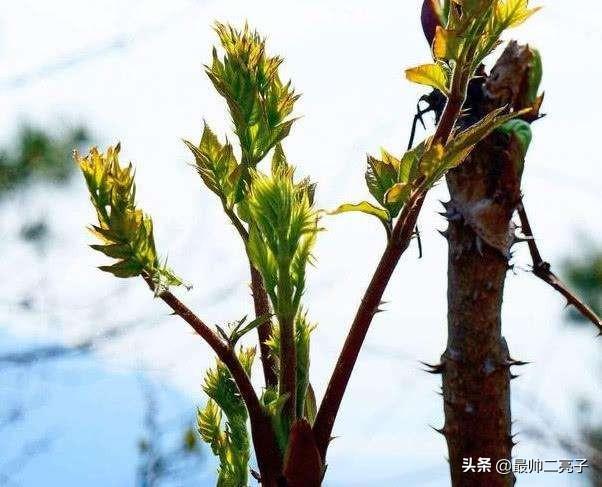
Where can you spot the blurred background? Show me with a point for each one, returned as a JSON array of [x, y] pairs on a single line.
[[99, 385]]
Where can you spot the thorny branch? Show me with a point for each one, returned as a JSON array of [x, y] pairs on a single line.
[[543, 270]]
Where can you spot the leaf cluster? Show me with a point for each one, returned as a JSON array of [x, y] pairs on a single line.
[[259, 102], [392, 181], [222, 423], [472, 30], [469, 31], [283, 230], [126, 231]]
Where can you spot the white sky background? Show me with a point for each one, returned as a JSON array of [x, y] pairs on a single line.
[[133, 72]]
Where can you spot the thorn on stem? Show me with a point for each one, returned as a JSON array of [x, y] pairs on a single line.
[[433, 368], [441, 431], [444, 234]]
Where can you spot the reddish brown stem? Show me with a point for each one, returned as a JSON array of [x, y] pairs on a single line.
[[262, 308], [398, 243], [401, 237], [542, 269], [264, 440]]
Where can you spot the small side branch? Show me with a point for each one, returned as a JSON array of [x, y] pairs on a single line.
[[224, 352], [264, 439], [542, 269]]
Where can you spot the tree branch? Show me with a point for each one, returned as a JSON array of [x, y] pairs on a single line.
[[398, 243], [542, 269], [264, 440], [369, 306]]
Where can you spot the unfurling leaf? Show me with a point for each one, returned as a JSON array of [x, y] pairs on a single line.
[[386, 176], [218, 168], [432, 75], [125, 231], [260, 103], [282, 233], [534, 77], [398, 193], [209, 421], [230, 441], [521, 131]]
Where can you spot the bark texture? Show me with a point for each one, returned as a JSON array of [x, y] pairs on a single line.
[[484, 193]]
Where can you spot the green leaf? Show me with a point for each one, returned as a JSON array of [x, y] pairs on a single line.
[[398, 193], [128, 268], [246, 355], [116, 251], [364, 207], [279, 162], [274, 404], [310, 406], [209, 420], [218, 167], [512, 13], [521, 130], [241, 329], [446, 45], [303, 330], [231, 444], [432, 75]]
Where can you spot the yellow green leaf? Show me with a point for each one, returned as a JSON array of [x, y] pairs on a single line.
[[446, 44], [364, 207], [510, 13], [432, 160], [398, 193], [430, 75]]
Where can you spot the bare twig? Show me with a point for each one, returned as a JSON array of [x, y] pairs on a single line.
[[543, 270]]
